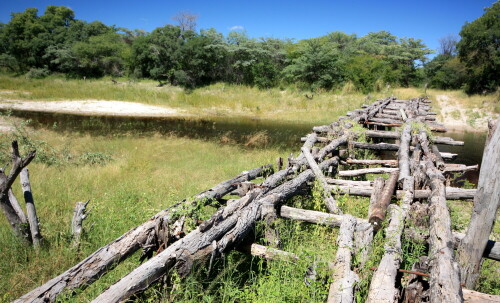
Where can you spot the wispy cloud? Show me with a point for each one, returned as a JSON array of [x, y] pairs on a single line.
[[237, 28]]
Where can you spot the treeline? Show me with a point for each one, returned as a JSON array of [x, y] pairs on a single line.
[[56, 42]]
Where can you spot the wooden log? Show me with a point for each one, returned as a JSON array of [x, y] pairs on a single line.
[[79, 214], [349, 183], [404, 154], [312, 216], [377, 146], [452, 193], [390, 163], [107, 257], [445, 273], [334, 144], [459, 168], [364, 171], [36, 236], [491, 251], [222, 232], [342, 287], [377, 214], [437, 157], [471, 296], [383, 285], [378, 186], [448, 156], [269, 253], [17, 207], [486, 204], [6, 181], [330, 202], [394, 135]]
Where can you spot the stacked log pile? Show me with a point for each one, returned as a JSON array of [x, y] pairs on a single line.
[[416, 173]]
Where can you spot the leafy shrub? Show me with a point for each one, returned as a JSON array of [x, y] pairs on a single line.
[[37, 73], [95, 158]]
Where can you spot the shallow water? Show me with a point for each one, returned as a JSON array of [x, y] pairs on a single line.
[[252, 133]]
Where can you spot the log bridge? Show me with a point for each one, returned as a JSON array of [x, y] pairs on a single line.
[[410, 185]]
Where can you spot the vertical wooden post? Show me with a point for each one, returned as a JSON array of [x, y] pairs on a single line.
[[30, 208], [486, 204]]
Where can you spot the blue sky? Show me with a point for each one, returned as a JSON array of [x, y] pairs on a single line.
[[298, 19]]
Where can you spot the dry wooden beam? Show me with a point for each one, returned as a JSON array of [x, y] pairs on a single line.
[[377, 215], [349, 183], [448, 156], [36, 236], [459, 168], [342, 287], [269, 253], [376, 146], [107, 257], [378, 186], [471, 296], [311, 216], [383, 285], [330, 202], [445, 273], [364, 171], [486, 204], [390, 163], [452, 193], [334, 144], [404, 153], [491, 251]]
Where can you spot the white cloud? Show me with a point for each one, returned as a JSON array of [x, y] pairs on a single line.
[[237, 28]]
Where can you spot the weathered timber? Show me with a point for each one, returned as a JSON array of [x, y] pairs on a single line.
[[394, 135], [224, 232], [268, 253], [330, 202], [437, 157], [17, 207], [349, 182], [334, 144], [79, 214], [491, 251], [375, 146], [378, 186], [107, 257], [377, 214], [403, 154], [342, 287], [471, 296], [390, 163], [448, 156], [445, 273], [36, 236], [364, 171], [383, 285], [486, 204], [459, 168], [6, 181], [452, 193]]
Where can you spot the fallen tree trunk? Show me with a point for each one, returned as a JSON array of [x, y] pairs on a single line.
[[378, 186], [390, 163], [377, 214], [342, 287], [486, 204], [107, 257], [36, 236], [364, 171], [452, 193], [79, 214], [445, 273]]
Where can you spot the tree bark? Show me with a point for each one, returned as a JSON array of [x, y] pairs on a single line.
[[378, 186], [377, 214], [79, 214], [445, 273], [486, 204], [36, 236], [364, 171], [342, 287]]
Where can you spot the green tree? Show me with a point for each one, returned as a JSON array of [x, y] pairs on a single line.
[[479, 50]]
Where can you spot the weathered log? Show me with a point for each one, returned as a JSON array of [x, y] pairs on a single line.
[[390, 163], [445, 273], [349, 182], [448, 156], [330, 202], [383, 285], [394, 135], [437, 157], [12, 212], [224, 231], [471, 296], [378, 186], [486, 204], [331, 147], [342, 287], [403, 154], [377, 214], [452, 193], [36, 236], [376, 146], [459, 168], [268, 253], [491, 251], [107, 257], [364, 171], [17, 207], [79, 214]]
